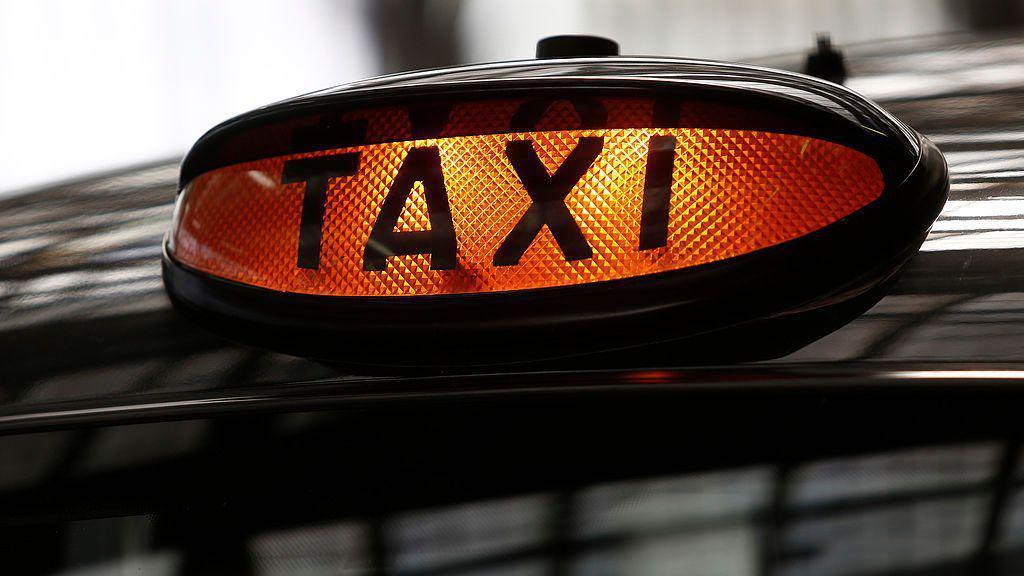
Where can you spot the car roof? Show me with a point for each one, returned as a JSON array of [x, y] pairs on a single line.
[[87, 329]]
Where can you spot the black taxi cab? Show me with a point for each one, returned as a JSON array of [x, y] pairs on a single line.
[[585, 313]]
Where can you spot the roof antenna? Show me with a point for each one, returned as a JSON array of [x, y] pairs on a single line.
[[825, 61]]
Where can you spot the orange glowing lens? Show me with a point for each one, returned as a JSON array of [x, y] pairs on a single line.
[[513, 211]]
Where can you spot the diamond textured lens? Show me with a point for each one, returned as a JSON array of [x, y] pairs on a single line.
[[731, 192]]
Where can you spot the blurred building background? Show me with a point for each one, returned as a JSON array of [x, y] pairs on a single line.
[[87, 86]]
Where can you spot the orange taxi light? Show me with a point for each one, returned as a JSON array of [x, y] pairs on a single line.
[[513, 211]]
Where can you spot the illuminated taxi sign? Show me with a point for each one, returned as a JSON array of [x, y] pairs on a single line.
[[513, 211], [506, 214]]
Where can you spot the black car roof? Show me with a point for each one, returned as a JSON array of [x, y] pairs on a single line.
[[85, 324]]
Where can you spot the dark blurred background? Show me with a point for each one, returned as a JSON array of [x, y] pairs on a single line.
[[87, 86]]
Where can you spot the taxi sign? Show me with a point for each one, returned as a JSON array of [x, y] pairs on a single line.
[[513, 211], [444, 203]]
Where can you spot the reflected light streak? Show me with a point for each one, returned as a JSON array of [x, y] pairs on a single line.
[[993, 240], [916, 85], [986, 137], [978, 225], [999, 206], [957, 374]]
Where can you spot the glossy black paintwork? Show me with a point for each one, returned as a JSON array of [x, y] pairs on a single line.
[[133, 441]]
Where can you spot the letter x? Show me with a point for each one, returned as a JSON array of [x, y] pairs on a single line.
[[548, 201]]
